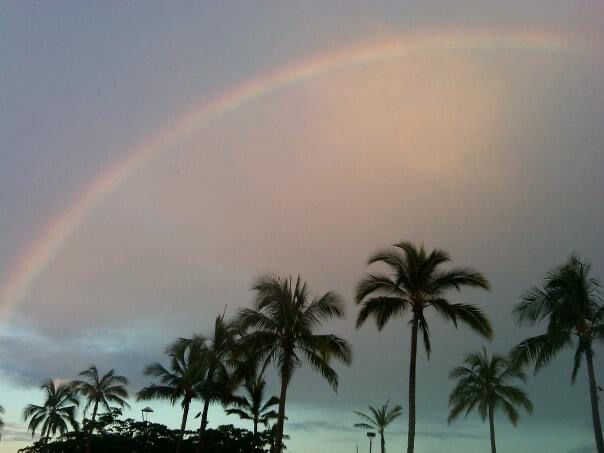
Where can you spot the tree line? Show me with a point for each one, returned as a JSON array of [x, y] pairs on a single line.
[[282, 328]]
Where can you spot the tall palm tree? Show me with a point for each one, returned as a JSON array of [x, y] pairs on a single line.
[[56, 414], [104, 391], [281, 329], [379, 419], [569, 303], [254, 407], [483, 384], [416, 282], [179, 382], [216, 383]]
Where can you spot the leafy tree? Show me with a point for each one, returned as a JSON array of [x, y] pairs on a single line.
[[57, 413], [281, 330], [187, 362], [128, 436], [483, 385], [254, 407], [569, 304], [379, 419], [416, 282], [104, 391]]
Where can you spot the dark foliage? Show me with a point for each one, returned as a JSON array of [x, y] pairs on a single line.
[[130, 436]]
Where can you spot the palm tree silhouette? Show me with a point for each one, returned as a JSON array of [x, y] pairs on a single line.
[[379, 419], [483, 386], [215, 384], [57, 413], [416, 282], [569, 303], [254, 407], [282, 331], [1, 421], [187, 364], [104, 391]]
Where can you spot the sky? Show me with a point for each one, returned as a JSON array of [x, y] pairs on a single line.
[[156, 157]]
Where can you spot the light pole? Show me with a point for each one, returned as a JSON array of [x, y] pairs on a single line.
[[371, 435], [146, 410]]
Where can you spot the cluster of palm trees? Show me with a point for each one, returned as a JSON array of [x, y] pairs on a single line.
[[58, 413], [281, 329], [568, 303]]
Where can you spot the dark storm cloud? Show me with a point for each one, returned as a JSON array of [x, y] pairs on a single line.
[[27, 360]]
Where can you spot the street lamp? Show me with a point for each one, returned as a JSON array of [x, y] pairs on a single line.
[[146, 410], [371, 436]]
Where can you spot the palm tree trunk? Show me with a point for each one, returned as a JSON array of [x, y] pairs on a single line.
[[89, 437], [383, 441], [45, 436], [281, 415], [202, 426], [593, 393], [492, 428], [183, 423], [412, 362]]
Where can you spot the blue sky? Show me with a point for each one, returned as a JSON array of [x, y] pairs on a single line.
[[495, 155]]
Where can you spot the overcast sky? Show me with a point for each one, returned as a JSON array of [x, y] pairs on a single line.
[[494, 153]]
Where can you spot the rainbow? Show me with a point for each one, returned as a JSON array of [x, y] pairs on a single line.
[[40, 253]]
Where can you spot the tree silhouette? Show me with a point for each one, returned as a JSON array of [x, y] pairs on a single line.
[[56, 414], [483, 385], [416, 282], [281, 330], [104, 391], [254, 407], [379, 419], [187, 364], [569, 304]]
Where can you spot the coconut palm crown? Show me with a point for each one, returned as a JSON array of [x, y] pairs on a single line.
[[57, 414], [483, 384]]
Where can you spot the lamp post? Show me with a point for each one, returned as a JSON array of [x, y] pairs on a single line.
[[146, 410], [371, 435]]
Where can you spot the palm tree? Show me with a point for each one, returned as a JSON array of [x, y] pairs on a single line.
[[177, 383], [416, 282], [281, 329], [57, 413], [379, 419], [483, 385], [254, 407], [569, 303], [215, 384], [1, 421], [104, 391]]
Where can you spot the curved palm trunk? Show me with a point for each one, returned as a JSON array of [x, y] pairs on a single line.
[[412, 362], [383, 442], [492, 428], [593, 393], [183, 423], [202, 426], [89, 439], [281, 415]]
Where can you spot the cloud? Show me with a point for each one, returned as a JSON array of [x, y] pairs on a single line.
[[29, 359], [15, 432]]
